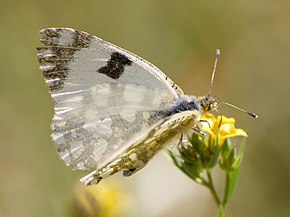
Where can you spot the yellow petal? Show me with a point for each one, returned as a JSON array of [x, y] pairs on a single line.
[[241, 132], [223, 126], [207, 121]]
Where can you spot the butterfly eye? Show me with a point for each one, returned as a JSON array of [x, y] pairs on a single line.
[[210, 107]]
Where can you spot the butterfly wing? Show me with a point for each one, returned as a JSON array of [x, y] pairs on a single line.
[[102, 95], [136, 152], [73, 60]]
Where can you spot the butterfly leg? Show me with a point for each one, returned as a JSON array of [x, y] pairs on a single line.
[[205, 122], [198, 129], [138, 166]]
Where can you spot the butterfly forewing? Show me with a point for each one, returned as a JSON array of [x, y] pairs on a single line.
[[73, 60], [103, 95]]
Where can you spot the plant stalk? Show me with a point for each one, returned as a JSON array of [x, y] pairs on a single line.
[[212, 189]]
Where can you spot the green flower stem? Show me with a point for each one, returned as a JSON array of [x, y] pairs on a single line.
[[210, 186], [212, 189], [226, 189], [221, 211]]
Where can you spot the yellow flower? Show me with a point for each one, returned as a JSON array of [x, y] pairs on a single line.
[[108, 199], [222, 126]]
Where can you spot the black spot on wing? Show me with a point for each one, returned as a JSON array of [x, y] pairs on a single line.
[[115, 66]]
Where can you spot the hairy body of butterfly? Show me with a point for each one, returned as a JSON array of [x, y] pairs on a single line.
[[113, 110]]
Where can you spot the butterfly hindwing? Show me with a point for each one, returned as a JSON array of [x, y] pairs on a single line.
[[136, 152], [91, 126]]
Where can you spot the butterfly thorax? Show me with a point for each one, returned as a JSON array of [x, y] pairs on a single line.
[[184, 103], [192, 103]]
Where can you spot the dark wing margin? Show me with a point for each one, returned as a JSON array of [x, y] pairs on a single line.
[[60, 46]]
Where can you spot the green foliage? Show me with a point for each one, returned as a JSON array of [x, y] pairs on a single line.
[[197, 157]]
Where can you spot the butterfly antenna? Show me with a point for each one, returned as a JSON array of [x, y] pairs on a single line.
[[217, 55], [242, 110]]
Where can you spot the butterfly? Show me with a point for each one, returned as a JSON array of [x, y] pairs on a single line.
[[113, 110]]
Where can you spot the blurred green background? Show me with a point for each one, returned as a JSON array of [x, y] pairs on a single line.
[[180, 37]]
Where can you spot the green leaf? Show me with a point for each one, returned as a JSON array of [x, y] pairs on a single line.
[[224, 154], [187, 153], [197, 141], [226, 147], [231, 159], [232, 177], [239, 158], [192, 169], [175, 159], [231, 184]]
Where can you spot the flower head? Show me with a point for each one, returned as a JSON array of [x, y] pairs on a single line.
[[222, 127]]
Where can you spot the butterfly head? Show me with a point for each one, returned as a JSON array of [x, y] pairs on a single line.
[[208, 103]]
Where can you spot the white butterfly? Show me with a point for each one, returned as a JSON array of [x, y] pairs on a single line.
[[113, 110]]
